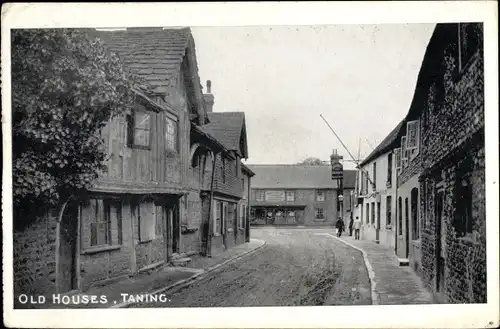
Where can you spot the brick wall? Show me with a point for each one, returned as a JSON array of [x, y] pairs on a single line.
[[451, 131], [34, 256]]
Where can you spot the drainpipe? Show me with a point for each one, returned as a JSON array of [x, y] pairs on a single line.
[[210, 211], [247, 223]]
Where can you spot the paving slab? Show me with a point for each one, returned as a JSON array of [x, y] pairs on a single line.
[[392, 284]]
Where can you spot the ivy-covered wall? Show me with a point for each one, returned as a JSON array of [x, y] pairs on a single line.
[[452, 132]]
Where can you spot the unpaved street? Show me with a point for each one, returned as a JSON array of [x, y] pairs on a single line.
[[295, 267]]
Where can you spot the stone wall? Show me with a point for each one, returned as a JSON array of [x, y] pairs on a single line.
[[34, 250], [453, 130]]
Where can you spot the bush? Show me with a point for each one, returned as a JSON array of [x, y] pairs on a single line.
[[65, 88]]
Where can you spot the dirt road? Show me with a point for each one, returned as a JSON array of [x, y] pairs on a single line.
[[296, 267]]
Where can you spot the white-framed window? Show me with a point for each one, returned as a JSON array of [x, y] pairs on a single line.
[[290, 196], [259, 195], [320, 195], [413, 137], [218, 213], [170, 134], [404, 153], [397, 157], [319, 214]]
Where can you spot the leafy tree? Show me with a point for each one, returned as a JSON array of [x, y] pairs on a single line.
[[65, 88], [311, 161]]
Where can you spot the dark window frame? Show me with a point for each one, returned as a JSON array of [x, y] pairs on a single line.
[[131, 129]]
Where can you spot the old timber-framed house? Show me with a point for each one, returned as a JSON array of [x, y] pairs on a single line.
[[146, 210]]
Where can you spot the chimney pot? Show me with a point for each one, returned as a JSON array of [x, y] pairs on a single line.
[[209, 87]]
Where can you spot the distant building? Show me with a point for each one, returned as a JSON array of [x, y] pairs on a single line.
[[298, 195]]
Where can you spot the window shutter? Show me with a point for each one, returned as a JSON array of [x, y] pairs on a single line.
[[130, 130], [397, 155]]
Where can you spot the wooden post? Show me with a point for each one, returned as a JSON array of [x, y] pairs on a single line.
[[208, 250]]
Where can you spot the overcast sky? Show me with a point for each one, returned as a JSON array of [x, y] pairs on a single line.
[[360, 77]]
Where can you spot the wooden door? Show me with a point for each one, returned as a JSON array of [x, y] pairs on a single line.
[[175, 228], [68, 235]]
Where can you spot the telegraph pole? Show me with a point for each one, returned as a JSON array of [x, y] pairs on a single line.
[[357, 162]]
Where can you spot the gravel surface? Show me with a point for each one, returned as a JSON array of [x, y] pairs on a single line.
[[295, 267]]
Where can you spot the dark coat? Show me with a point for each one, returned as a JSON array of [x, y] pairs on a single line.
[[339, 224]]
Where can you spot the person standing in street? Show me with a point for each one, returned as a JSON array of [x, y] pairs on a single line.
[[357, 227], [340, 226], [351, 222]]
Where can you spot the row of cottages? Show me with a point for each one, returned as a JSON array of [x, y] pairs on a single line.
[[422, 190], [298, 195], [175, 185]]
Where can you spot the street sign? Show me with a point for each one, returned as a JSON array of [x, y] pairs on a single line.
[[337, 171]]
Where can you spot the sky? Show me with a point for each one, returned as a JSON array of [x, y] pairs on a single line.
[[361, 78]]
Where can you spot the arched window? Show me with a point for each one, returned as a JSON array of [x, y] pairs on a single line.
[[400, 216], [414, 214]]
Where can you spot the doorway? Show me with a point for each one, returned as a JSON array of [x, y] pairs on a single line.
[[68, 236], [173, 227], [440, 243], [377, 229], [407, 229]]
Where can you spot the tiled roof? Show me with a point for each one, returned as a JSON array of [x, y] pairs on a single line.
[[388, 143], [298, 176], [247, 170], [227, 127], [153, 55]]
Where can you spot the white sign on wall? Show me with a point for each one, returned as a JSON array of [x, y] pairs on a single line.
[[275, 196]]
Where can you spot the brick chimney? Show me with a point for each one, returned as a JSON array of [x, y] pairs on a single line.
[[208, 97]]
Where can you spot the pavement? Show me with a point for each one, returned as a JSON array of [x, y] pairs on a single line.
[[391, 284]]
